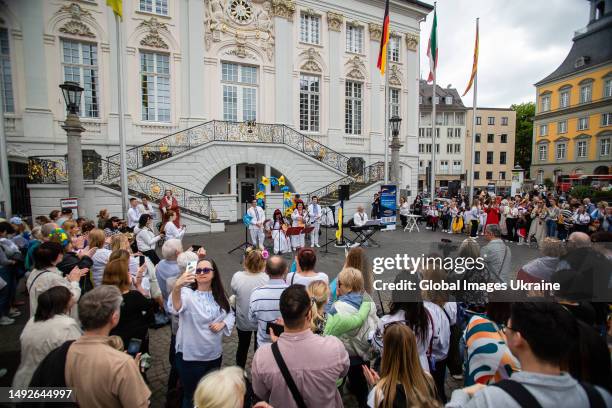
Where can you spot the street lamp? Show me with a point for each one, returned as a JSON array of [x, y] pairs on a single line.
[[72, 96], [395, 123]]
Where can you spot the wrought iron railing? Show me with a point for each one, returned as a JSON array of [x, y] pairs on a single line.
[[216, 130], [53, 170], [370, 175]]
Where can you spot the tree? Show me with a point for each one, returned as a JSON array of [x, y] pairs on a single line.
[[524, 134]]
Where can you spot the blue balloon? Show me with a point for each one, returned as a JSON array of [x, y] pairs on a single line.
[[261, 187], [273, 181], [284, 189], [288, 203]]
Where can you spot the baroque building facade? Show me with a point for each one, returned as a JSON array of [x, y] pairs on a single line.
[[573, 121], [307, 65]]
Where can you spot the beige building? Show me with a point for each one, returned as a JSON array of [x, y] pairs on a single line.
[[494, 151]]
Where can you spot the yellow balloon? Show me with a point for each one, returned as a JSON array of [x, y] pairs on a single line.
[[265, 180], [286, 195], [281, 181], [260, 194]]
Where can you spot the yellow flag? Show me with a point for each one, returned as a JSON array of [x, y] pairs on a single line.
[[339, 230], [116, 6]]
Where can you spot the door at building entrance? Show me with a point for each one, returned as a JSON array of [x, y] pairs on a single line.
[[247, 192]]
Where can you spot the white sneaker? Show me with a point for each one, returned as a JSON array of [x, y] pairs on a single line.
[[5, 321], [317, 245], [14, 313]]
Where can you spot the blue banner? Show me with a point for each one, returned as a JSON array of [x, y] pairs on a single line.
[[388, 205]]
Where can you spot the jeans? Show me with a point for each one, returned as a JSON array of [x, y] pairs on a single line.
[[551, 228], [511, 227], [439, 375], [404, 220], [474, 228], [191, 372], [357, 383], [244, 341], [173, 376]]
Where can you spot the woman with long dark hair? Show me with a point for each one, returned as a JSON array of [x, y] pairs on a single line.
[[50, 327], [146, 238], [205, 316]]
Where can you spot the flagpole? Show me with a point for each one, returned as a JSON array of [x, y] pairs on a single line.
[[471, 173], [386, 117], [122, 143], [432, 172]]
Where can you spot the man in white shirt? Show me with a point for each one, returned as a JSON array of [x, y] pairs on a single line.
[[360, 217], [256, 226], [314, 209], [133, 215]]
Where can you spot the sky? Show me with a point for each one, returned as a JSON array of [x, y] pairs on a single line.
[[521, 42]]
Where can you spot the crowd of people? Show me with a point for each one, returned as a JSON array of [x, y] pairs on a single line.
[[523, 218], [94, 293]]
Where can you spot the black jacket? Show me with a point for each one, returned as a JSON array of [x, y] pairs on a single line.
[[71, 260]]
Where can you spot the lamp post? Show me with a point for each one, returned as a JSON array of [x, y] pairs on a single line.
[[395, 123], [72, 95]]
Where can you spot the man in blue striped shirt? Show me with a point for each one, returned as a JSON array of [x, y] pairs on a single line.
[[264, 304]]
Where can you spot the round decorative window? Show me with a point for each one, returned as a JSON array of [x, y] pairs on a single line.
[[241, 11]]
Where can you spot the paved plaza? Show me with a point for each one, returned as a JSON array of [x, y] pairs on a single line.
[[217, 246]]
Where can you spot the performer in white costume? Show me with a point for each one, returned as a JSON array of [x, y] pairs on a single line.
[[314, 209], [278, 226], [299, 219], [256, 227]]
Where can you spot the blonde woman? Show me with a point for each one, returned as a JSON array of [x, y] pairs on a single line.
[[223, 388], [402, 381], [319, 293]]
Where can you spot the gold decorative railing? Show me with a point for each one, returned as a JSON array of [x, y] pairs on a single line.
[[53, 170], [366, 177], [216, 130]]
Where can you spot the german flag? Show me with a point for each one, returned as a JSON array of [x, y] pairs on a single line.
[[384, 40], [475, 64]]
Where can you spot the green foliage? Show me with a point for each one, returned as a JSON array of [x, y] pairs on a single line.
[[549, 183], [581, 192], [524, 134]]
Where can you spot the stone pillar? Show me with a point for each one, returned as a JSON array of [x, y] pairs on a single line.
[[335, 21], [283, 11], [233, 179], [395, 156], [268, 173], [73, 129]]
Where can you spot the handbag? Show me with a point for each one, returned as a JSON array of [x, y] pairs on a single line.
[[299, 400]]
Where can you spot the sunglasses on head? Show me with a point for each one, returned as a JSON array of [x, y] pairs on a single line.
[[199, 271]]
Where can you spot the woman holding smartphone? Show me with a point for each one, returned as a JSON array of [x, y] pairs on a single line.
[[198, 298]]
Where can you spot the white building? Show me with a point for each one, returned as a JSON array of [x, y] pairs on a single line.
[[450, 143], [306, 68]]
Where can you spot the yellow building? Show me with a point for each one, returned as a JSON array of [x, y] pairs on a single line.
[[573, 121]]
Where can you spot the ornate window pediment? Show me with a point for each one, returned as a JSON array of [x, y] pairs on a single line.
[[356, 68], [395, 76], [311, 64], [153, 38], [75, 26]]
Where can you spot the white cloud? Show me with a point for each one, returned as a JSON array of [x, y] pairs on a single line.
[[521, 42]]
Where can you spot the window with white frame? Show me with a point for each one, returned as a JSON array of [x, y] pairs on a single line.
[[394, 101], [561, 149], [437, 148], [6, 72], [428, 148], [503, 138], [562, 126], [449, 148], [428, 132], [154, 6], [457, 132], [421, 132], [354, 38], [540, 177], [449, 132], [502, 157], [586, 93], [421, 148], [155, 86], [80, 64], [477, 157], [393, 48], [581, 149], [543, 129], [449, 118], [542, 152], [456, 165], [309, 102], [448, 100], [564, 98], [352, 107], [604, 147], [459, 118], [502, 175], [491, 120], [457, 148], [504, 121], [444, 166], [310, 28], [545, 103], [583, 123], [239, 92], [606, 119], [489, 175], [478, 120], [607, 87]]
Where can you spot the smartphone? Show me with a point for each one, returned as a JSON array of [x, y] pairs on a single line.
[[141, 260], [195, 248], [134, 346], [191, 267], [277, 329]]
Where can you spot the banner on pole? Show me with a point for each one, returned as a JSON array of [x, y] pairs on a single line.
[[388, 206]]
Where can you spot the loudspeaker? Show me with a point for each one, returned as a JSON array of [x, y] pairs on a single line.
[[344, 192]]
